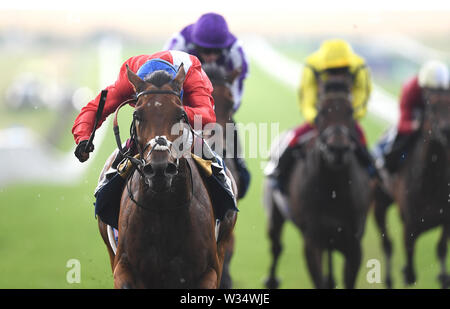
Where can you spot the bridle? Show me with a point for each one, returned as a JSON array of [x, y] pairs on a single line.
[[133, 134], [157, 143]]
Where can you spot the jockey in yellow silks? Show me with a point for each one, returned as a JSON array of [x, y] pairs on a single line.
[[333, 56]]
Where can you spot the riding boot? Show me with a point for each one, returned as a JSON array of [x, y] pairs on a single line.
[[244, 176], [366, 160], [218, 167], [283, 169]]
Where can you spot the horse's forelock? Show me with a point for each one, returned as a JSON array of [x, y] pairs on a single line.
[[158, 78]]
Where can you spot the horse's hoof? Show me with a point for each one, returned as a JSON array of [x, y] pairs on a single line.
[[272, 283], [444, 279], [330, 284], [408, 276], [388, 283]]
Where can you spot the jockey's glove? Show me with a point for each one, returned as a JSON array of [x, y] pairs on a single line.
[[81, 152]]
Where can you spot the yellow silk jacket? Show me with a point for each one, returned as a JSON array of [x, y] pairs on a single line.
[[334, 54]]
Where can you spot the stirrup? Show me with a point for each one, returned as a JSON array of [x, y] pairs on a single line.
[[111, 238], [217, 228]]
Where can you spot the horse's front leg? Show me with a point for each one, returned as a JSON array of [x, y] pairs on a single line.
[[122, 275], [209, 280], [444, 278], [410, 241]]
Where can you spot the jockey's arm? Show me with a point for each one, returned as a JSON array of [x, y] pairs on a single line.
[[197, 98], [308, 95], [410, 99], [239, 61], [362, 88], [118, 92]]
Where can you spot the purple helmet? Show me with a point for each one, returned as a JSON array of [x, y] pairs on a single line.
[[211, 31]]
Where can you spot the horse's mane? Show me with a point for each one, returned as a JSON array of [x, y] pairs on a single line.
[[216, 74], [158, 78]]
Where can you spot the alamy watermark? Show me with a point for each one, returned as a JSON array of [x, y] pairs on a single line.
[[73, 275], [374, 273], [251, 140]]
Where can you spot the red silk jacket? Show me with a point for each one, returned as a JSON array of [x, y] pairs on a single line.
[[197, 92]]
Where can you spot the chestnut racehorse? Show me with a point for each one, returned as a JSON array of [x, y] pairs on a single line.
[[166, 228], [224, 103]]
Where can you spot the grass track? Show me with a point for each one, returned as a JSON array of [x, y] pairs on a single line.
[[42, 227]]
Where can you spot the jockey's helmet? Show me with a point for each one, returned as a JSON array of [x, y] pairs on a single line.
[[335, 53], [435, 75], [211, 31]]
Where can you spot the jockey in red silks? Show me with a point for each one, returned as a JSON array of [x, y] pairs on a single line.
[[197, 90], [197, 101], [433, 75]]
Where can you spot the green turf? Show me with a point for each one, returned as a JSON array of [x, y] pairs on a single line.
[[42, 227]]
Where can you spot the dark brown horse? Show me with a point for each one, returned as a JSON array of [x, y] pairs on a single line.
[[329, 195], [223, 107], [421, 188], [167, 222], [224, 103]]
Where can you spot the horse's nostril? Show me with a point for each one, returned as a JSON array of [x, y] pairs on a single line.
[[171, 169], [148, 170]]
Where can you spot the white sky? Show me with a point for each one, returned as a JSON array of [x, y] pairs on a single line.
[[266, 17], [265, 6]]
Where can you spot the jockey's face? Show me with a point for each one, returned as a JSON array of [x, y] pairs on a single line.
[[209, 55]]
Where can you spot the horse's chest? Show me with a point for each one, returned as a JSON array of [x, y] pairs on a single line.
[[168, 266]]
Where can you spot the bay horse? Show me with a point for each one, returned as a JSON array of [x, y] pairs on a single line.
[[421, 188], [224, 103], [329, 193], [166, 227]]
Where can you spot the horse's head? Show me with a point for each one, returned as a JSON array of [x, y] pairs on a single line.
[[437, 115], [223, 97], [158, 118], [334, 121]]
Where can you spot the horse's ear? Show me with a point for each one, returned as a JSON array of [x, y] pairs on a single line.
[[233, 75], [179, 78], [136, 81]]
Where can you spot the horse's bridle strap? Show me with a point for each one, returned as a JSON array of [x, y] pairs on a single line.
[[158, 91]]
